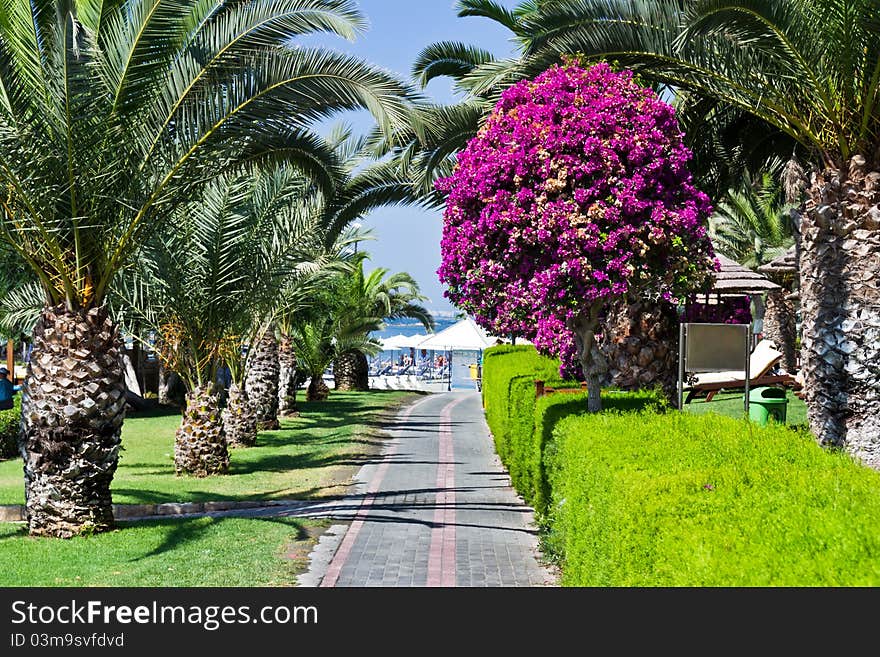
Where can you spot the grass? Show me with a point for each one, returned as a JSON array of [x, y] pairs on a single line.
[[731, 405], [645, 499], [310, 456], [189, 552]]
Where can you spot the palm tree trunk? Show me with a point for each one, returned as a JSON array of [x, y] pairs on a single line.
[[640, 343], [239, 421], [200, 442], [840, 305], [262, 381], [286, 377], [362, 372], [72, 412], [351, 371], [780, 327], [317, 390]]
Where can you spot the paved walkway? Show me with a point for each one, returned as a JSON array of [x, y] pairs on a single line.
[[435, 510]]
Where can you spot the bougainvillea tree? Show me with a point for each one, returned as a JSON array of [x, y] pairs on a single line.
[[575, 192]]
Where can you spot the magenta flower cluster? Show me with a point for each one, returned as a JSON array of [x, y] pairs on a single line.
[[728, 310], [576, 190]]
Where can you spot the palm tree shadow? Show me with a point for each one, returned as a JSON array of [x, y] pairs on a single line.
[[185, 531]]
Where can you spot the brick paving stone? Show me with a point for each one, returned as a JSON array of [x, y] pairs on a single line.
[[468, 513]]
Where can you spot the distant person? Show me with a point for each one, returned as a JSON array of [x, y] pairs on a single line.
[[7, 390]]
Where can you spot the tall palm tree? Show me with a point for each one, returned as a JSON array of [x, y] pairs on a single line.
[[808, 68], [110, 115], [364, 303], [811, 69]]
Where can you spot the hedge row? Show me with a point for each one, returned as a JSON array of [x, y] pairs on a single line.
[[637, 496], [521, 425], [508, 373], [9, 425], [647, 499]]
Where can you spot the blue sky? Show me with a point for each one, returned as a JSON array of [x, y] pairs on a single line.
[[408, 239]]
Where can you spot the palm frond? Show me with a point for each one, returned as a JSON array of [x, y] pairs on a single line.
[[448, 58], [20, 309]]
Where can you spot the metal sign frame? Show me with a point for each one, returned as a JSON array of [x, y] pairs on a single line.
[[723, 360]]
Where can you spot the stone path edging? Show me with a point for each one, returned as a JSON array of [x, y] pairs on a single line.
[[16, 512]]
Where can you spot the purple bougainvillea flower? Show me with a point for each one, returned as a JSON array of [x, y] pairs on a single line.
[[576, 189]]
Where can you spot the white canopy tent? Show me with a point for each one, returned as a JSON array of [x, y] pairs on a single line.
[[398, 341], [415, 340], [463, 336]]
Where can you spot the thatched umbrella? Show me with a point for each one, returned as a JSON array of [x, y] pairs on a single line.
[[736, 279]]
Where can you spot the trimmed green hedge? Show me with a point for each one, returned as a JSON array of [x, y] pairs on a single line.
[[645, 499], [508, 378], [9, 425], [522, 425], [636, 496]]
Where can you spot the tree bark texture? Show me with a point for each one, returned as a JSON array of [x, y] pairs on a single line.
[[200, 442], [780, 327], [593, 362], [351, 371], [262, 381], [640, 343], [239, 421], [840, 307], [317, 390], [73, 407], [164, 385], [286, 377]]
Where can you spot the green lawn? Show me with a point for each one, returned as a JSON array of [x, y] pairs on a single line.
[[309, 456], [193, 552], [312, 455], [731, 405]]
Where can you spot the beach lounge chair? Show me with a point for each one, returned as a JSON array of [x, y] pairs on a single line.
[[761, 363]]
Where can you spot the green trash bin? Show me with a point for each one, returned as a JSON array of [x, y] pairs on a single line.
[[766, 403]]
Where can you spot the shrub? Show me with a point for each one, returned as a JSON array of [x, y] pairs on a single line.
[[501, 366], [9, 427], [522, 425], [645, 499], [550, 410]]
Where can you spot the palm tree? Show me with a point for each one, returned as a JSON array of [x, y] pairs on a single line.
[[261, 384], [111, 114], [317, 344], [364, 303], [217, 277], [752, 225], [287, 374]]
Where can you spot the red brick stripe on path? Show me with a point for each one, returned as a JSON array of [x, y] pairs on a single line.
[[341, 556], [441, 558]]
